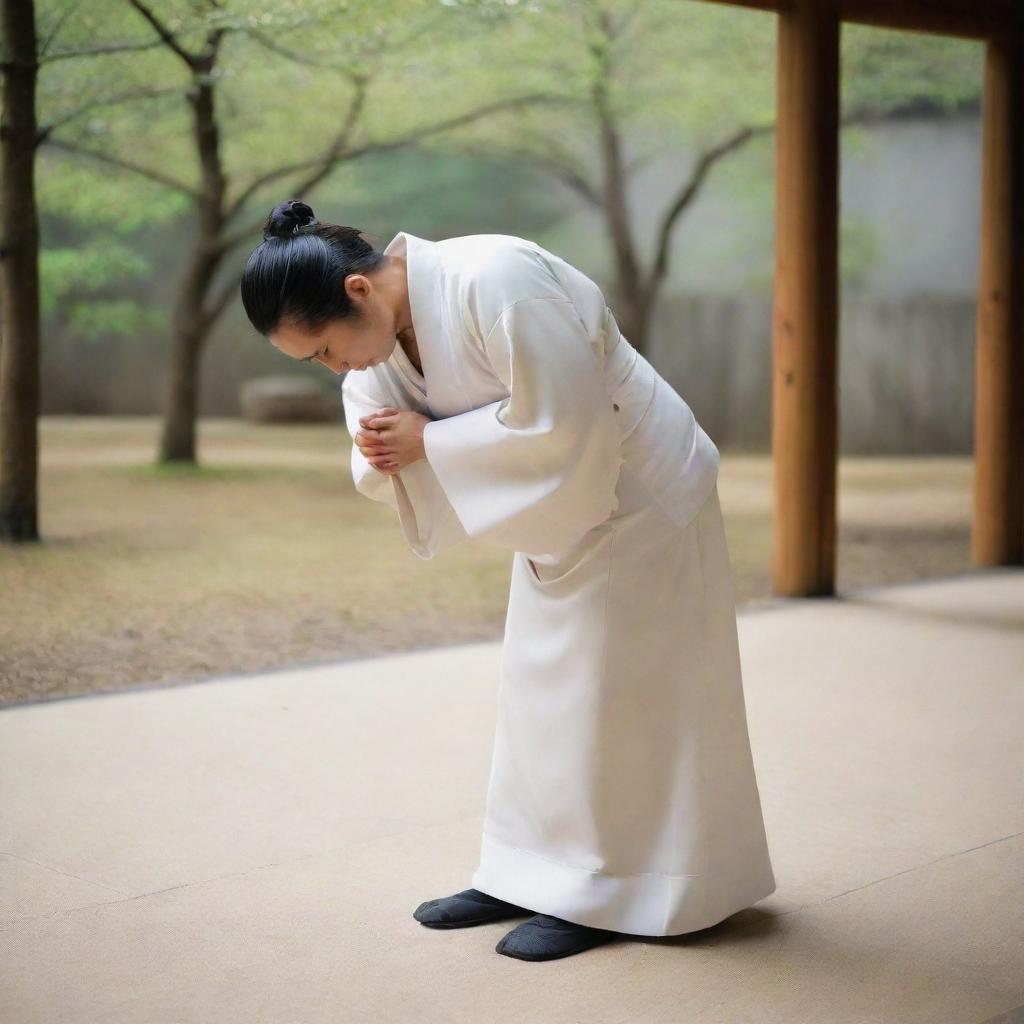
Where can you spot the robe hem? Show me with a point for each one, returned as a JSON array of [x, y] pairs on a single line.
[[640, 904]]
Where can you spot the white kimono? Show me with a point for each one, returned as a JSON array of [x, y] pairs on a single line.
[[622, 792]]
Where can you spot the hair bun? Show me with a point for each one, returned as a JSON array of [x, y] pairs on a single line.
[[286, 218]]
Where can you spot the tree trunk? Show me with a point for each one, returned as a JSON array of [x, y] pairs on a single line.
[[178, 437], [19, 279], [632, 311], [191, 326], [192, 322], [632, 307]]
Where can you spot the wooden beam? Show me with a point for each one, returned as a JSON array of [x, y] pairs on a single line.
[[982, 19], [997, 536], [804, 316], [969, 19], [760, 5]]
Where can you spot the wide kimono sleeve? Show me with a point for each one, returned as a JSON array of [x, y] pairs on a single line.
[[537, 470], [427, 518]]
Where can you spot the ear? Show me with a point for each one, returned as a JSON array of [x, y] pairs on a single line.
[[358, 286]]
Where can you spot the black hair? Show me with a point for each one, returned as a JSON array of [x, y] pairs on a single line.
[[297, 273]]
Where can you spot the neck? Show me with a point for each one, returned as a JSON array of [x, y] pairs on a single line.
[[403, 312]]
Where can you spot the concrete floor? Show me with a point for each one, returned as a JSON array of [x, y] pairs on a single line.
[[251, 849]]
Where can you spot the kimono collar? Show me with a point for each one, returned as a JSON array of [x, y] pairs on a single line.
[[425, 275]]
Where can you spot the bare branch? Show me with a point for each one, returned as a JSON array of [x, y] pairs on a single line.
[[556, 164], [219, 302], [324, 163], [393, 42], [705, 161], [701, 169], [126, 165], [100, 51], [165, 34], [454, 122], [328, 157], [57, 26], [142, 94], [299, 58]]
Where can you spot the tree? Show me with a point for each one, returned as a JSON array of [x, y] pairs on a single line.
[[19, 278], [258, 80], [638, 76]]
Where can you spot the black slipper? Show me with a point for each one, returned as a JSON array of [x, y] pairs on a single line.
[[544, 937], [469, 907]]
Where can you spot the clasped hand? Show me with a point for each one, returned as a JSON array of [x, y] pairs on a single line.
[[391, 439]]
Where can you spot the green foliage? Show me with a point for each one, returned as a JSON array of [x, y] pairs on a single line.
[[437, 193], [87, 267], [132, 108], [861, 251], [884, 71], [671, 74], [73, 278], [92, 196], [92, 320]]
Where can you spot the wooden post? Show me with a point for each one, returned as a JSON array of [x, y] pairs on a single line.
[[997, 535], [804, 384]]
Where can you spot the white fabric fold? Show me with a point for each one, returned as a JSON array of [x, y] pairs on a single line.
[[537, 470], [428, 520]]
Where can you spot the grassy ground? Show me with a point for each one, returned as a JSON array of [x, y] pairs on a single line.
[[266, 557]]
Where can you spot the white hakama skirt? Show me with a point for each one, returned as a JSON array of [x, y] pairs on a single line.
[[622, 792]]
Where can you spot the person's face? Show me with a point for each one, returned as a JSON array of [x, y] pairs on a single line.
[[346, 344]]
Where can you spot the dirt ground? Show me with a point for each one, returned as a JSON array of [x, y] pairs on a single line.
[[265, 556]]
